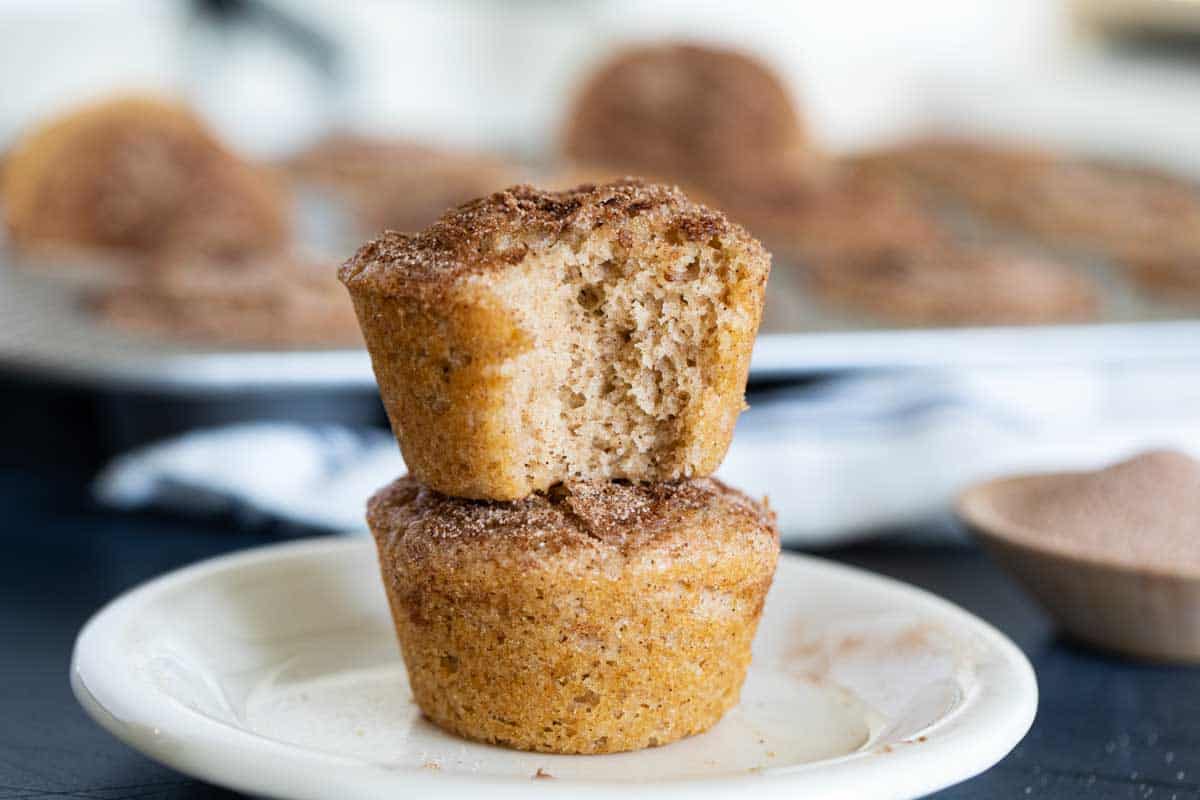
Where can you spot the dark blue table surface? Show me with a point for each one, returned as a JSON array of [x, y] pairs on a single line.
[[1106, 728]]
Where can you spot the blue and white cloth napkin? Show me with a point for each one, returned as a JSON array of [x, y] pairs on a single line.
[[838, 459]]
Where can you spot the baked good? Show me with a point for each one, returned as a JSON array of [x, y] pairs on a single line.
[[278, 301], [1144, 221], [951, 285], [683, 111], [840, 213], [593, 619], [567, 175], [136, 175], [534, 337], [393, 184], [1173, 277], [990, 175], [1138, 217]]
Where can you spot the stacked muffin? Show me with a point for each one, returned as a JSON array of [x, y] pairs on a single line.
[[563, 370]]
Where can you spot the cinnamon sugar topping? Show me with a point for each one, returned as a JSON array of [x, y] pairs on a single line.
[[609, 514], [501, 229]]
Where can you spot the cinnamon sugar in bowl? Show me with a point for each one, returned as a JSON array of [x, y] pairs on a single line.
[[1112, 555]]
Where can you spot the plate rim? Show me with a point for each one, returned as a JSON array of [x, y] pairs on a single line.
[[989, 722]]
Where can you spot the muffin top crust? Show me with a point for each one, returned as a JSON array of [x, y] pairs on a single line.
[[502, 228], [589, 516]]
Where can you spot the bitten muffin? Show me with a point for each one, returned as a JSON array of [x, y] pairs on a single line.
[[683, 111], [951, 285], [278, 301], [593, 619], [135, 175], [534, 337]]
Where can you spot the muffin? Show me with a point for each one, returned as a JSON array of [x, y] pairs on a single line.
[[1139, 217], [844, 213], [567, 175], [592, 619], [278, 301], [1120, 212], [683, 111], [535, 337], [988, 175], [947, 285], [1145, 221], [135, 175], [1171, 277], [397, 184]]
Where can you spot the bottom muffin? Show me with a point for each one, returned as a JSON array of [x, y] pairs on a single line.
[[594, 618]]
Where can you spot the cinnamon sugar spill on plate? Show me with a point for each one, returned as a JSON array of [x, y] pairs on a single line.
[[1144, 511]]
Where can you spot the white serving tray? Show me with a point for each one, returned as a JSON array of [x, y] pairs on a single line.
[[44, 330]]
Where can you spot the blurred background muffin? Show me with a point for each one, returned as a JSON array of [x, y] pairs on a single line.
[[948, 285], [131, 176], [398, 184], [277, 300], [844, 212], [1144, 220], [684, 111]]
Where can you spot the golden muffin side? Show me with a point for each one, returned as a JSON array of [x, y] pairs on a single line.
[[597, 618], [534, 337]]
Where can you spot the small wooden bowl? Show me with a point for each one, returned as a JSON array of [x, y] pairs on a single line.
[[1142, 611]]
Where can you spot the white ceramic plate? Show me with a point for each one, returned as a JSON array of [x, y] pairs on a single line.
[[275, 672]]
